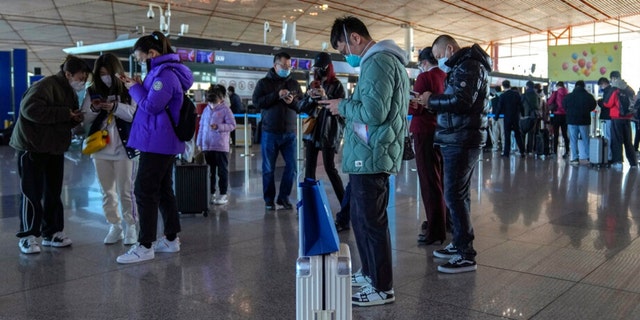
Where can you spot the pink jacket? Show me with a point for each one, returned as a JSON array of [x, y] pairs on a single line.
[[215, 139]]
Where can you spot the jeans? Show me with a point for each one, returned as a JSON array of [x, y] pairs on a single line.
[[154, 190], [271, 145], [369, 200], [459, 164], [579, 148], [621, 136], [41, 176]]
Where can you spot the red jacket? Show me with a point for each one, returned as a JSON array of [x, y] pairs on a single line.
[[433, 81], [557, 97], [614, 105]]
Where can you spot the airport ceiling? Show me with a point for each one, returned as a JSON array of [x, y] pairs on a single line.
[[45, 27]]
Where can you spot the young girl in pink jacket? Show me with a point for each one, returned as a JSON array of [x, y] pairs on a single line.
[[216, 123]]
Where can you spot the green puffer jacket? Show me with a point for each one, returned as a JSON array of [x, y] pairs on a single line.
[[44, 124], [376, 112]]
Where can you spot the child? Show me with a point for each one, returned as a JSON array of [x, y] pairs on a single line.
[[216, 123]]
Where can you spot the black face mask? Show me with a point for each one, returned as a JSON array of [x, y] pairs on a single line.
[[321, 73]]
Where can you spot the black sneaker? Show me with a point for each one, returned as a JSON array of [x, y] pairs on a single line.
[[458, 265], [270, 206], [285, 204], [448, 252]]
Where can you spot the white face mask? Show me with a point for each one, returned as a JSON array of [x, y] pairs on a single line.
[[107, 80], [77, 85]]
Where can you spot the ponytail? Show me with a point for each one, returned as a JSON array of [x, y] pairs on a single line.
[[156, 41]]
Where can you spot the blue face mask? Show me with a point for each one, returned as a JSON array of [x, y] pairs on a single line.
[[284, 73], [442, 65], [352, 59]]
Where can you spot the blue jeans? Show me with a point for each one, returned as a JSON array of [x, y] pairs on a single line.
[[579, 148], [272, 144], [459, 164]]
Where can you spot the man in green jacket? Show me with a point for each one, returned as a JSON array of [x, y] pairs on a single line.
[[375, 125]]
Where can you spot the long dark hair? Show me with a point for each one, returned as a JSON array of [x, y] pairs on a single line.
[[156, 41], [331, 74], [110, 62]]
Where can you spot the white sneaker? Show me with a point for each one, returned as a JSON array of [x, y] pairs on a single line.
[[137, 253], [166, 246], [114, 235], [58, 240], [212, 199], [223, 199], [131, 236], [29, 245]]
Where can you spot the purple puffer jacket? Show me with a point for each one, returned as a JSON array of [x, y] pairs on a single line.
[[165, 84], [216, 139]]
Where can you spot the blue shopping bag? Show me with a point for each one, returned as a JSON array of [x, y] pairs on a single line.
[[318, 232]]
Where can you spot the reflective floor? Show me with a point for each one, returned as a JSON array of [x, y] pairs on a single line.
[[554, 241]]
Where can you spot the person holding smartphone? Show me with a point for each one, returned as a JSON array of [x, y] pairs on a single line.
[[48, 111], [153, 134], [276, 96], [108, 106]]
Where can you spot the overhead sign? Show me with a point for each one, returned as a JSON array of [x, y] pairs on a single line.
[[244, 81], [584, 61]]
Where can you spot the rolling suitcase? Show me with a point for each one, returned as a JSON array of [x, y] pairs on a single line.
[[191, 187], [598, 151], [323, 267], [542, 143], [323, 286]]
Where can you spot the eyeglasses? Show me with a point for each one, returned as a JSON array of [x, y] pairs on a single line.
[[284, 66]]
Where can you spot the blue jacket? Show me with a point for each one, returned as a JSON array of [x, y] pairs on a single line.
[[164, 85]]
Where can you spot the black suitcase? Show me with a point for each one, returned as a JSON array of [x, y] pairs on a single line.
[[542, 143], [191, 185]]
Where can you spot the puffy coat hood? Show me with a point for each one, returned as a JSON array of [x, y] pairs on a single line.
[[474, 52], [387, 46]]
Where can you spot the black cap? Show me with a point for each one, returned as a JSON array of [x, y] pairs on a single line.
[[322, 60]]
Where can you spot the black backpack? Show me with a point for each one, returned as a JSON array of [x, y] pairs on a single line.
[[186, 126], [626, 101]]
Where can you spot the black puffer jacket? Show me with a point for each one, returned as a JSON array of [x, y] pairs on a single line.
[[277, 116], [328, 129], [462, 111], [579, 105]]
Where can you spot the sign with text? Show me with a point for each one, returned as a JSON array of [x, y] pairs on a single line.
[[243, 81]]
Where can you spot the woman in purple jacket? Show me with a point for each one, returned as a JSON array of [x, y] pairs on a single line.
[[216, 124], [152, 133]]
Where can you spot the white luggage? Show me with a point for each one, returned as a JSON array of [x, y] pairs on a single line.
[[323, 286]]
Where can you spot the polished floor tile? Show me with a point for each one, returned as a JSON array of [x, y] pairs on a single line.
[[554, 241]]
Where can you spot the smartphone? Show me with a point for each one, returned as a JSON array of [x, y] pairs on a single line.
[[111, 98], [96, 97], [414, 93]]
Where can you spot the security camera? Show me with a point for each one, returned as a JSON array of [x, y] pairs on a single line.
[[269, 30], [150, 13]]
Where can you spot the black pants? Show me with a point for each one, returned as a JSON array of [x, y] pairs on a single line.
[[218, 162], [369, 199], [343, 216], [621, 136], [154, 190], [509, 126], [559, 122], [41, 177], [328, 155]]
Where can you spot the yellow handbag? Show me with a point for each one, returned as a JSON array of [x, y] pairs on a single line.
[[97, 140]]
